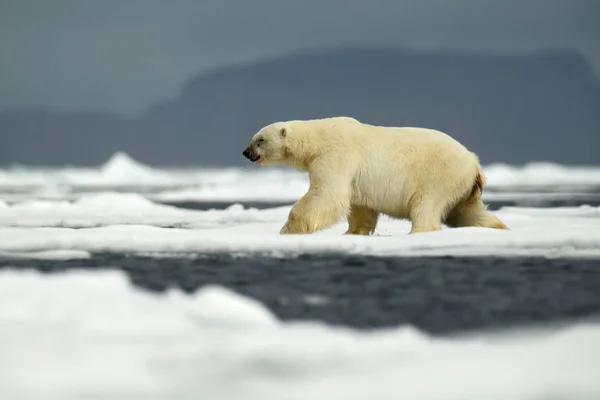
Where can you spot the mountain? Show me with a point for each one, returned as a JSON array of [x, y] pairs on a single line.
[[506, 107]]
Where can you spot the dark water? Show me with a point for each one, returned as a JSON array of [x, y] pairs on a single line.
[[437, 294], [591, 199]]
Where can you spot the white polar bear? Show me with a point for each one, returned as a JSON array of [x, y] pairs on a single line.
[[360, 171]]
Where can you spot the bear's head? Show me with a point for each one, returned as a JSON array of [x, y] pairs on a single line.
[[268, 145]]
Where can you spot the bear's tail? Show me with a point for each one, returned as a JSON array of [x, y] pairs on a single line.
[[477, 188]]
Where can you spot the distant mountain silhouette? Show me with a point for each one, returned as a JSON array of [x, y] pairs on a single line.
[[507, 108]]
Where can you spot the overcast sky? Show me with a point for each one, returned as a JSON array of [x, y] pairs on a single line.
[[125, 54]]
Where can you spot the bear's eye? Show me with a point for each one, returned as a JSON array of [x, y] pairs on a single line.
[[261, 140]]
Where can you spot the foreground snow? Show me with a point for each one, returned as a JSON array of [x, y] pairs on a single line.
[[91, 335], [131, 223]]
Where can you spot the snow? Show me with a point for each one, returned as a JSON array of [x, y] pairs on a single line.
[[247, 183], [57, 255], [541, 174], [119, 211], [89, 334], [126, 222], [92, 210]]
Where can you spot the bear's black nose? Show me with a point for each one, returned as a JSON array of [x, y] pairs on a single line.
[[246, 154]]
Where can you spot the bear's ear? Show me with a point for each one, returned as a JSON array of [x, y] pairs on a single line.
[[283, 132]]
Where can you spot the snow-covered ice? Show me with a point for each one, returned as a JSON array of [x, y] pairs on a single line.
[[77, 335], [128, 222], [101, 219]]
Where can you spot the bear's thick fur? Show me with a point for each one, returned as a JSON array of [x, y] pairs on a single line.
[[360, 171]]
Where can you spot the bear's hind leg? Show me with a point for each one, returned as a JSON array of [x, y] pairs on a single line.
[[362, 221], [426, 217], [473, 214]]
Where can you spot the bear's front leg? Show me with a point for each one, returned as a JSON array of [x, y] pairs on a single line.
[[313, 212], [292, 227]]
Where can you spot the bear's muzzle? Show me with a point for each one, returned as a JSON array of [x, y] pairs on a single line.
[[250, 155]]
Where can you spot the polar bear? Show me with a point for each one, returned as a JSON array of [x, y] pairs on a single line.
[[361, 171]]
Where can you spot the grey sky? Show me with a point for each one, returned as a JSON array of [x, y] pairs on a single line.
[[125, 54]]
